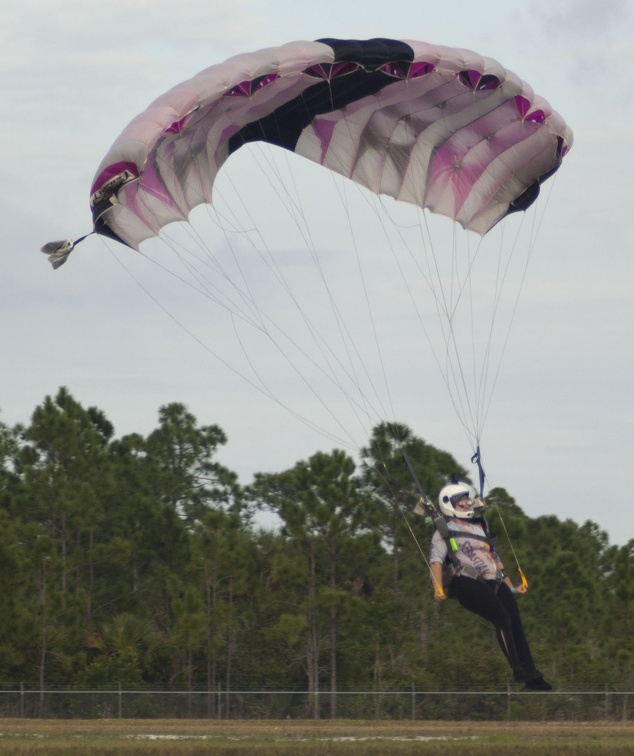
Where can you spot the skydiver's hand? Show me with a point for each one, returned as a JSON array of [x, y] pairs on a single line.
[[520, 589], [439, 595]]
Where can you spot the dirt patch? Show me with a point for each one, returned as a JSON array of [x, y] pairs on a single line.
[[309, 728]]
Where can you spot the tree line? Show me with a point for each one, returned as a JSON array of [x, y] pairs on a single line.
[[138, 560]]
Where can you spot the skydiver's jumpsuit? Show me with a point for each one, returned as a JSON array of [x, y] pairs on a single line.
[[486, 594]]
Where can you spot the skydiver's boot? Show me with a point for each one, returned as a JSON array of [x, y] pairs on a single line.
[[533, 679], [538, 683]]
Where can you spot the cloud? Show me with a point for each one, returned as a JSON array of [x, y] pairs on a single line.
[[35, 29], [582, 17], [590, 41]]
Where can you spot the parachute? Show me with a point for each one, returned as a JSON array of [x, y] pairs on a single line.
[[442, 129]]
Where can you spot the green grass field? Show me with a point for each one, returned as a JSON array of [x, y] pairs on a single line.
[[194, 737]]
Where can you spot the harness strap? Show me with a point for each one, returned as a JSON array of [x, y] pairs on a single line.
[[471, 536], [468, 571], [451, 537]]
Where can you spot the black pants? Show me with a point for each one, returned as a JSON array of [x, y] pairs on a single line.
[[497, 605]]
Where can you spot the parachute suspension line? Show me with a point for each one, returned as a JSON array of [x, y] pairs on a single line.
[[346, 339], [227, 227], [437, 291], [461, 290], [345, 336], [342, 193], [472, 405], [481, 383], [451, 372], [340, 188], [447, 304], [205, 286], [344, 332], [447, 301], [260, 323], [304, 228], [444, 312], [259, 386], [353, 355], [486, 398], [372, 201], [297, 214], [481, 373], [368, 305], [536, 219], [531, 236], [171, 315]]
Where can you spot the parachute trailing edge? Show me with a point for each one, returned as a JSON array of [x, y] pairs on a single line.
[[443, 128]]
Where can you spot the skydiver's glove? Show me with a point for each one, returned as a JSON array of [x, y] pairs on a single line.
[[439, 595], [478, 503]]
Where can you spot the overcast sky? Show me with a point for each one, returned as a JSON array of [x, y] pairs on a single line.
[[558, 435]]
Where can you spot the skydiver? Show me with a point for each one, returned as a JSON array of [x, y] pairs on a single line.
[[480, 583]]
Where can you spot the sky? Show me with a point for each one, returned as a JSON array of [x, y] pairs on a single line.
[[123, 336]]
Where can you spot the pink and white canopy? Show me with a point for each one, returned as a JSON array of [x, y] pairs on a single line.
[[443, 128]]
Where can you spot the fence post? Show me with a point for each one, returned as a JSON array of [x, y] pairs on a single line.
[[21, 700], [413, 702], [120, 701], [508, 702]]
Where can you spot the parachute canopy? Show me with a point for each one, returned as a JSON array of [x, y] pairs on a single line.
[[443, 128]]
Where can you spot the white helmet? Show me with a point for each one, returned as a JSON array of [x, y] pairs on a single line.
[[450, 494]]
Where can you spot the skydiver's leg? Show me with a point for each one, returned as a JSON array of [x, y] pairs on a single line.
[[533, 678], [500, 608], [480, 598], [507, 599]]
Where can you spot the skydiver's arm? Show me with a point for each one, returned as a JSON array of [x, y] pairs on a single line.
[[436, 576]]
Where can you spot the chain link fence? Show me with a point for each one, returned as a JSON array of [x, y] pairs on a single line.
[[178, 703]]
